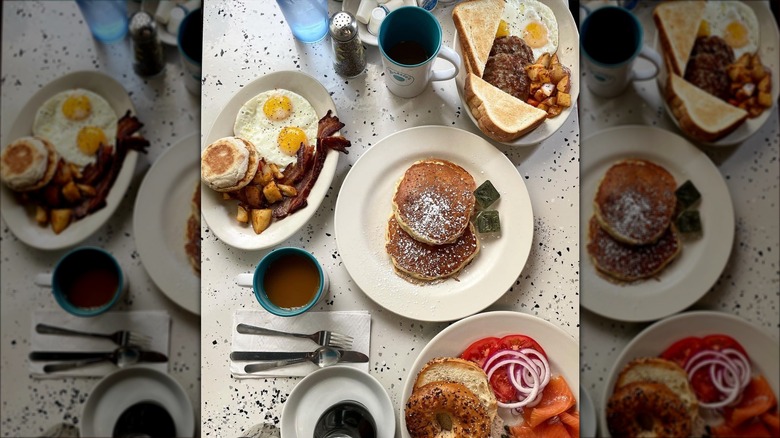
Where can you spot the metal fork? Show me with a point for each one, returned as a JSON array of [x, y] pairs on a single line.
[[122, 338], [325, 338]]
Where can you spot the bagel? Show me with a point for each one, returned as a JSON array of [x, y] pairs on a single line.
[[446, 410], [645, 409]]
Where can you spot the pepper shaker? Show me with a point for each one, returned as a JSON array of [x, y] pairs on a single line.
[[149, 58], [349, 57]]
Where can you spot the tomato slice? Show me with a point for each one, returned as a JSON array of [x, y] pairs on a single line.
[[682, 350], [518, 342], [721, 342], [480, 350], [502, 387]]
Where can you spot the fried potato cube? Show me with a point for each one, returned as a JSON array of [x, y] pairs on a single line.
[[71, 193], [275, 171], [764, 99], [743, 60], [558, 72], [765, 84], [266, 175], [544, 60], [261, 218], [554, 111], [253, 196], [535, 72], [51, 195], [226, 196], [563, 100], [550, 101], [75, 171], [242, 215], [539, 95], [272, 193], [86, 190], [63, 174], [41, 215], [60, 219], [287, 190], [563, 85], [754, 111], [542, 107], [555, 60]]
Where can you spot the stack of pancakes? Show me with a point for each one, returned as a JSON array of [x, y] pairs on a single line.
[[631, 234], [430, 235]]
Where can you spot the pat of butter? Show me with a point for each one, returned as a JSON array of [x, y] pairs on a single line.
[[363, 14]]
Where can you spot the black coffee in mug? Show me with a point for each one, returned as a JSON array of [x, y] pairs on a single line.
[[347, 419], [408, 53], [610, 35]]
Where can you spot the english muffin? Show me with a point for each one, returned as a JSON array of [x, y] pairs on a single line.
[[625, 262], [28, 163], [434, 200], [427, 262], [228, 164], [635, 201]]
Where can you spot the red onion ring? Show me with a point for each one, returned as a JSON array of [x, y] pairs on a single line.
[[729, 371], [528, 371]]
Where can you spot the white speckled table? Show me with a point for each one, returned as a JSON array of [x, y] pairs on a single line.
[[42, 41], [748, 286], [244, 40]]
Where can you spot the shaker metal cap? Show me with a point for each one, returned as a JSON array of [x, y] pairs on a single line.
[[343, 26], [142, 25]]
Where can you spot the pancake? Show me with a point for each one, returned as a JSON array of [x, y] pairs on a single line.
[[434, 200], [630, 262], [192, 245], [228, 164], [426, 262], [635, 201], [28, 163]]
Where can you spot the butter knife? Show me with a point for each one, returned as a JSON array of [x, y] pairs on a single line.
[[346, 355], [145, 356]]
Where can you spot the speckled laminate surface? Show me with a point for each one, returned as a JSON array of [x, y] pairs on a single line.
[[244, 40], [749, 284], [42, 41]]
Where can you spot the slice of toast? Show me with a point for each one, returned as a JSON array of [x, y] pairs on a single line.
[[477, 23], [500, 115], [677, 24], [700, 114]]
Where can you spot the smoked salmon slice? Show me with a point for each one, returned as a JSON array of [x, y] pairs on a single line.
[[757, 398], [556, 398], [522, 431], [571, 419], [772, 422], [552, 428]]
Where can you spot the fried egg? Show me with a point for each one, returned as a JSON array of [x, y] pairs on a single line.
[[534, 22], [76, 122], [733, 21], [277, 122]]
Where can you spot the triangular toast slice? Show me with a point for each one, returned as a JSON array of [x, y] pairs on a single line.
[[477, 23], [678, 23]]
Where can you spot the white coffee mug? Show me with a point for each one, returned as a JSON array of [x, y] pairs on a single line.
[[410, 39], [611, 39], [190, 42]]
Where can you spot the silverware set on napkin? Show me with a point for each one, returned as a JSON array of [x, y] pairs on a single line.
[[334, 348], [132, 349]]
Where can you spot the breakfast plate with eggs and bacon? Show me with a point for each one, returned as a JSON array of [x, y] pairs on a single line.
[[68, 160], [519, 78], [262, 171], [720, 79]]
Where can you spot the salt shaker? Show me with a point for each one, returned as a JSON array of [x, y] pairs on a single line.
[[349, 57], [147, 48]]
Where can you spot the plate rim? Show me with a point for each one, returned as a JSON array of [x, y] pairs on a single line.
[[521, 317], [557, 122], [15, 215], [520, 195], [152, 269], [104, 385], [368, 380], [678, 319], [629, 310], [210, 199], [765, 46]]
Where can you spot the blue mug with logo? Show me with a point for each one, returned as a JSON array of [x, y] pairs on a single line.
[[410, 39]]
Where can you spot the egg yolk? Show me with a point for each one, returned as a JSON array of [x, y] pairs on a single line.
[[277, 107], [503, 29], [76, 107], [736, 35], [535, 34], [290, 139], [90, 138]]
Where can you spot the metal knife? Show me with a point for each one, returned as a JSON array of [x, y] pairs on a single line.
[[145, 356], [346, 355]]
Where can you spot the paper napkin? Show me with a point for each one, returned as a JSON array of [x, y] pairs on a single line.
[[355, 323], [155, 324]]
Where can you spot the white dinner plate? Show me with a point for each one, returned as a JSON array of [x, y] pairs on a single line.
[[701, 260], [364, 206], [323, 388], [162, 208], [19, 220], [562, 350], [588, 418], [768, 48], [220, 215], [366, 37], [764, 351], [118, 391], [569, 54]]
